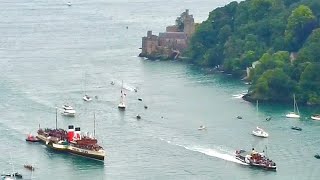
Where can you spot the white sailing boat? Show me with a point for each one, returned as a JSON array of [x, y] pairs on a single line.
[[122, 104], [259, 132], [295, 113], [86, 97]]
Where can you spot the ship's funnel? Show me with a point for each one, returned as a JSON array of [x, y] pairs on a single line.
[[70, 132], [77, 134]]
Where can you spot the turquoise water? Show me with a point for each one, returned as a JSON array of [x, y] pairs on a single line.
[[50, 53]]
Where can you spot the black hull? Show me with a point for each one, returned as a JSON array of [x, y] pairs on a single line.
[[91, 156], [28, 140]]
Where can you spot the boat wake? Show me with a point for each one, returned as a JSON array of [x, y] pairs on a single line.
[[218, 152], [238, 96]]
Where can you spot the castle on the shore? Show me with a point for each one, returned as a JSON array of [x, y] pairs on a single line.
[[171, 43]]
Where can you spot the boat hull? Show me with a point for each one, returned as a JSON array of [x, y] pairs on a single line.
[[260, 134], [57, 147], [86, 99], [291, 115], [122, 106], [315, 118], [242, 156], [68, 114], [87, 153], [272, 168]]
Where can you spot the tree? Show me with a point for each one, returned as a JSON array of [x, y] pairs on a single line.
[[300, 24], [310, 52]]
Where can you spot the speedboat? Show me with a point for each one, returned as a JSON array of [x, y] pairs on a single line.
[[316, 117], [69, 4], [296, 128], [260, 133], [87, 98], [138, 116], [32, 138], [202, 127], [255, 159], [68, 111]]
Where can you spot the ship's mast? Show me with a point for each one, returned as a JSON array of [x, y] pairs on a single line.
[[94, 124], [56, 118]]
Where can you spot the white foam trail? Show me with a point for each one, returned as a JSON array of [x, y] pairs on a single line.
[[238, 96], [209, 152], [215, 153]]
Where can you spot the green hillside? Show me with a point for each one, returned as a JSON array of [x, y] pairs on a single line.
[[282, 35]]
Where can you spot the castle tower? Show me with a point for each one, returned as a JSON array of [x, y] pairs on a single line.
[[189, 26]]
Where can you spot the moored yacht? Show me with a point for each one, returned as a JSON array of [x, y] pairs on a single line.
[[295, 113]]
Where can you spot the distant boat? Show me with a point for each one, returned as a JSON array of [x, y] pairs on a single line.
[[32, 138], [29, 167], [122, 104], [316, 117], [202, 127], [260, 133], [295, 113], [296, 128], [12, 176], [317, 156], [69, 4], [86, 97], [68, 111]]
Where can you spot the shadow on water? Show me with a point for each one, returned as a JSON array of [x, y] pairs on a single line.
[[79, 162]]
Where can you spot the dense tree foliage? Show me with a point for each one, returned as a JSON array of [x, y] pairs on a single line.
[[280, 37]]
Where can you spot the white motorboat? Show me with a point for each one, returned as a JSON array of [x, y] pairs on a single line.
[[295, 113], [122, 104], [316, 117], [202, 127], [87, 98], [68, 111], [69, 4], [260, 133]]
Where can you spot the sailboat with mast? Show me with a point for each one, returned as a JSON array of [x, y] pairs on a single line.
[[295, 113], [259, 132], [122, 104]]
